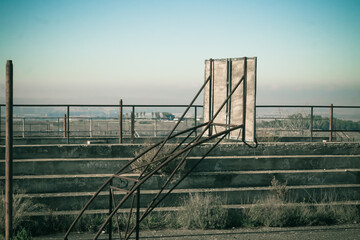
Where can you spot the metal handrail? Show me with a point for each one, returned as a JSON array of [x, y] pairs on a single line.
[[68, 107]]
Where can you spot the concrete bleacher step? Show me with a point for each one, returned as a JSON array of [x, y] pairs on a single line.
[[223, 179], [233, 208], [276, 162], [225, 149], [55, 166], [64, 177], [58, 166], [75, 200]]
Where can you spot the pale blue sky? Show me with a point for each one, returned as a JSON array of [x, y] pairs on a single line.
[[153, 52]]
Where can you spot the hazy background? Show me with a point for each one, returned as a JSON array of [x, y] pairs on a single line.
[[153, 52]]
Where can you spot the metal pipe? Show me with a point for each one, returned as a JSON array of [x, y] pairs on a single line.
[[137, 213], [121, 122], [132, 126], [311, 123], [180, 106], [90, 128], [195, 120], [150, 208], [118, 172], [0, 122], [64, 126], [58, 126], [178, 122], [331, 123], [23, 127], [9, 152], [110, 210], [145, 178], [68, 125], [211, 103]]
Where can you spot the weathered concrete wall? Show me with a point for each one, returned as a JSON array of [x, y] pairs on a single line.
[[65, 176], [226, 149]]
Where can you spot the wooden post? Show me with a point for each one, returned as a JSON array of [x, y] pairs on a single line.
[[9, 152], [121, 122], [331, 123]]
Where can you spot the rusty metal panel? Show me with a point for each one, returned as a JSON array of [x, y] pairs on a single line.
[[207, 93], [237, 108], [225, 75], [250, 100], [220, 91]]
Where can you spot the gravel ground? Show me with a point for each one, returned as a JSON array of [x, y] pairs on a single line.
[[339, 232]]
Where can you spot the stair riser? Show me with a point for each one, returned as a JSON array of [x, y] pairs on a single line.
[[65, 167], [67, 203], [84, 166], [226, 149], [220, 180]]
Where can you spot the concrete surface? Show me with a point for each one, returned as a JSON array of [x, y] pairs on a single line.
[[337, 232]]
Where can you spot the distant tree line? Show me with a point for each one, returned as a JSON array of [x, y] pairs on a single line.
[[299, 121]]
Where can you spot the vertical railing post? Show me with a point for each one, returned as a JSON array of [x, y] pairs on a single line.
[[23, 127], [110, 210], [132, 131], [311, 122], [211, 103], [138, 213], [47, 127], [195, 117], [68, 124], [121, 121], [155, 127], [0, 122], [331, 123], [64, 126], [58, 126], [9, 152], [90, 128]]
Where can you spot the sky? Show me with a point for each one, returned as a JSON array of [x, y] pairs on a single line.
[[153, 52]]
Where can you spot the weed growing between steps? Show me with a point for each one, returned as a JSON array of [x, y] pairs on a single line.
[[203, 211], [278, 210], [21, 208], [199, 211]]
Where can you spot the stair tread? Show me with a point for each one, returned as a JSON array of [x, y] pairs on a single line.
[[162, 209], [191, 157], [207, 190], [348, 170]]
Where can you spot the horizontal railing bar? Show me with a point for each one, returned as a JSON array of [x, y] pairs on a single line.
[[97, 105], [304, 106], [165, 105], [336, 130]]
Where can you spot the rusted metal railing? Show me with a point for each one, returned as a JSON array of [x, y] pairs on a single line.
[[36, 126]]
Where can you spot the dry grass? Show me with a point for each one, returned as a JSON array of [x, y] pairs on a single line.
[[203, 212]]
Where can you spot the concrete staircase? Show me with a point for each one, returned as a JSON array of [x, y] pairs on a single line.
[[64, 177]]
